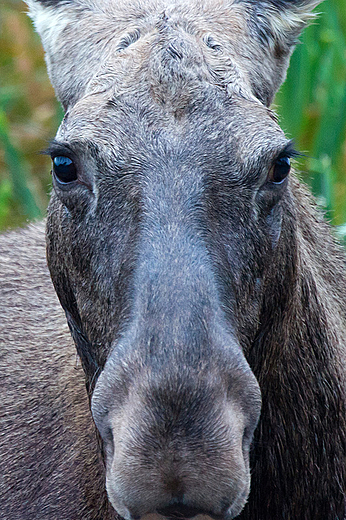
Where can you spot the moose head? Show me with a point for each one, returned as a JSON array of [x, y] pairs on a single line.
[[172, 232]]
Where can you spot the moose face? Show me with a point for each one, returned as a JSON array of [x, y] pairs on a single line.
[[171, 193], [167, 224]]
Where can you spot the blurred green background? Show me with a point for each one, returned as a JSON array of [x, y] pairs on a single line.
[[311, 105]]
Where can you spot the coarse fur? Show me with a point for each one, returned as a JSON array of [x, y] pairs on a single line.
[[50, 461], [192, 283]]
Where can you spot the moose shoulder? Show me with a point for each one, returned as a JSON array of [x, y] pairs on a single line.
[[197, 280], [50, 465]]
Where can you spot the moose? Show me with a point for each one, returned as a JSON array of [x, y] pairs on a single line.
[[189, 269]]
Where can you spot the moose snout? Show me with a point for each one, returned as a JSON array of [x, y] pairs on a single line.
[[179, 442]]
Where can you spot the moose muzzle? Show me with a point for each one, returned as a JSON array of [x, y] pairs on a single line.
[[177, 436]]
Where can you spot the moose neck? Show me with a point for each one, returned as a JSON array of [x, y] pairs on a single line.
[[294, 362]]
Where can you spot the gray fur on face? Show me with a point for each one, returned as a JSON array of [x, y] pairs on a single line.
[[256, 38], [195, 275]]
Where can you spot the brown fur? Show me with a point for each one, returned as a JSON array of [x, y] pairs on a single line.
[[50, 461], [180, 266]]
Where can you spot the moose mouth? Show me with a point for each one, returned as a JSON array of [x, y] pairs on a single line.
[[181, 511], [177, 511]]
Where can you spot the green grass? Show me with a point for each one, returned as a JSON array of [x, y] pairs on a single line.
[[311, 106]]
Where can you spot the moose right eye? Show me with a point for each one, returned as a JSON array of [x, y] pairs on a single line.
[[64, 169]]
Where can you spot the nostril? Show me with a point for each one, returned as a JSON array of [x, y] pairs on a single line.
[[224, 506], [247, 438], [109, 436], [108, 441]]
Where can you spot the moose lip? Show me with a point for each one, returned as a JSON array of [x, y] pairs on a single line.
[[179, 516], [182, 512]]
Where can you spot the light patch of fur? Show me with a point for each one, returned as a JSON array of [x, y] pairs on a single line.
[[50, 22], [293, 20]]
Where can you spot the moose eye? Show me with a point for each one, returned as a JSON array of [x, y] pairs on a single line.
[[64, 169], [280, 170]]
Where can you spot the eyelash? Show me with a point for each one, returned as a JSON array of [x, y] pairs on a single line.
[[289, 151]]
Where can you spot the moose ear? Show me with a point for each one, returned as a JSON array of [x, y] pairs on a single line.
[[275, 26], [74, 34], [280, 22]]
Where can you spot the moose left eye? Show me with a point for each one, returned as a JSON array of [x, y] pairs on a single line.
[[64, 169], [280, 170]]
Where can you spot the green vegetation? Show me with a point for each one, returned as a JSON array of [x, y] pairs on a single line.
[[311, 106], [29, 117]]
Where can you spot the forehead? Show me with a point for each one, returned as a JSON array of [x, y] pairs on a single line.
[[167, 83]]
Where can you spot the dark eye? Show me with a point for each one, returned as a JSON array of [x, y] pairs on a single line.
[[280, 170], [64, 169]]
